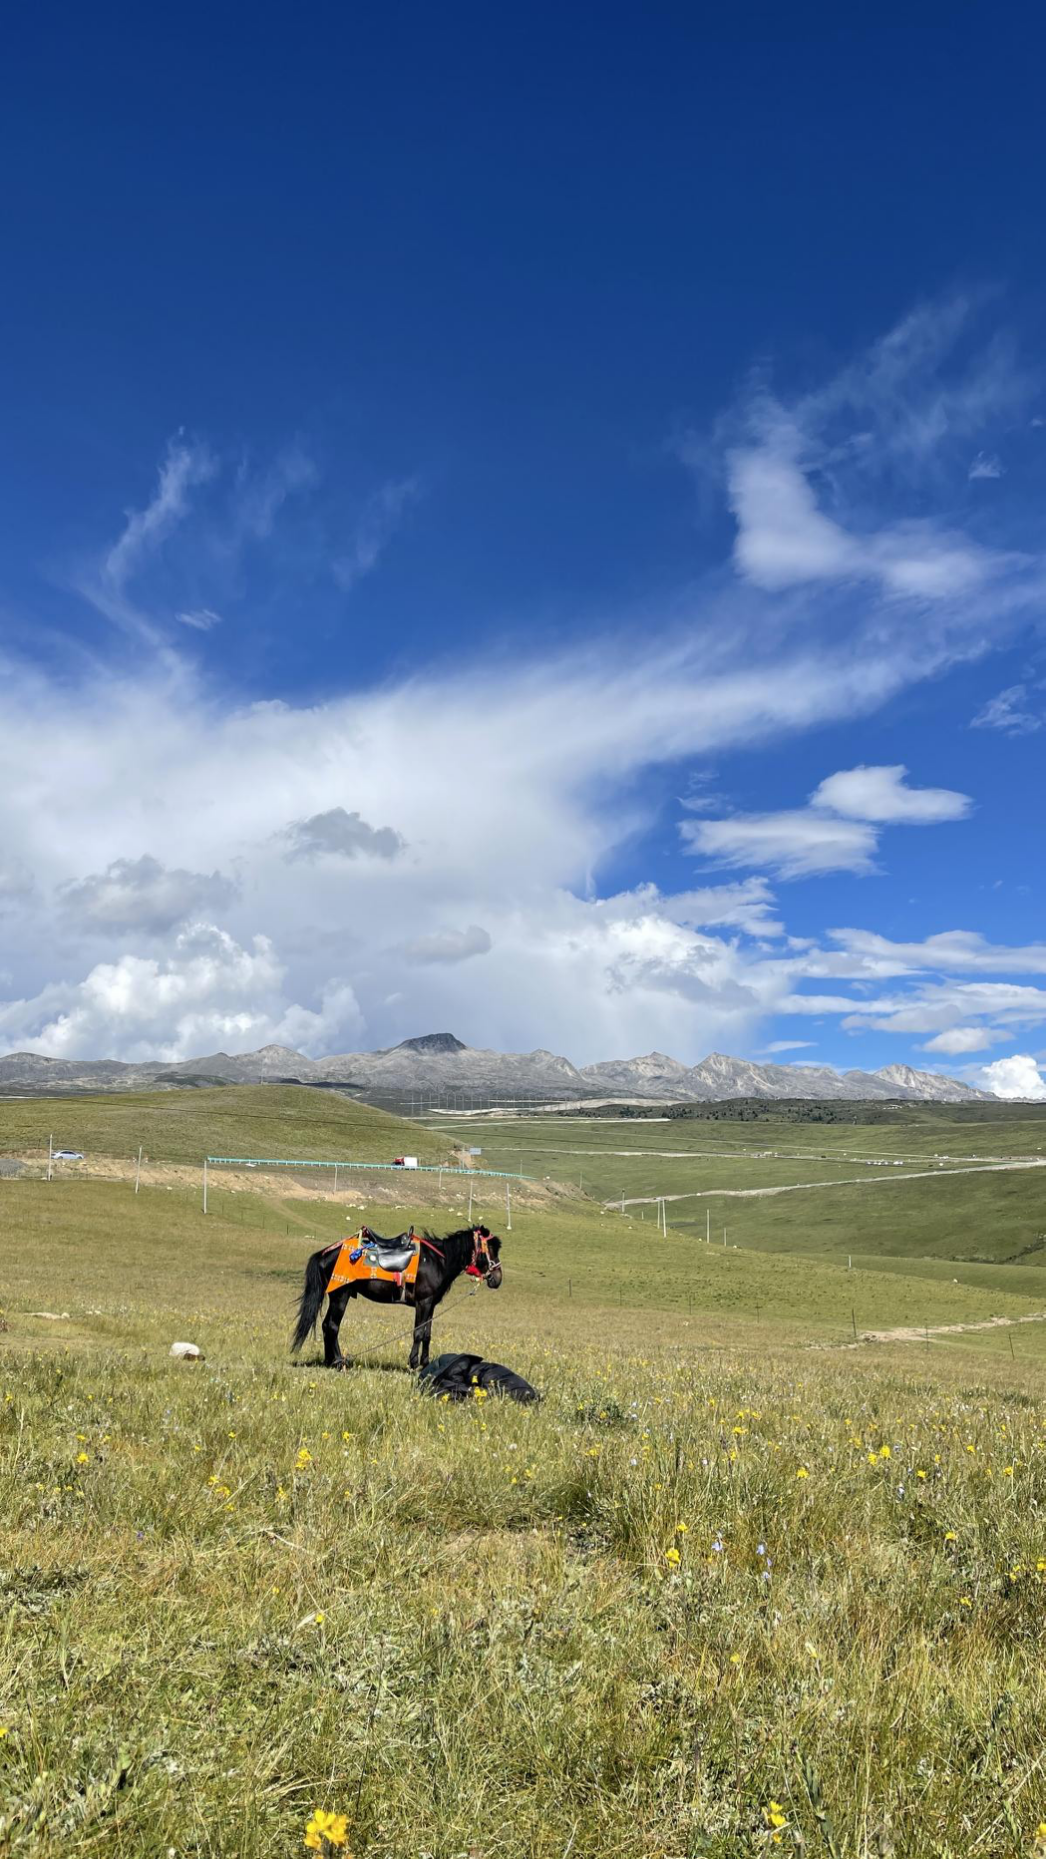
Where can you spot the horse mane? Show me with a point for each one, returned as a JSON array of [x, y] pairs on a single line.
[[463, 1236]]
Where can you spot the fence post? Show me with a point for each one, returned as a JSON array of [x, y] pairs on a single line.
[[205, 1184], [50, 1155], [138, 1170]]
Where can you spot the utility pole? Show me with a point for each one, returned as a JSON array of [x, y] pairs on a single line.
[[50, 1155], [470, 1203], [708, 1226], [508, 1207], [205, 1184], [335, 1180], [138, 1170]]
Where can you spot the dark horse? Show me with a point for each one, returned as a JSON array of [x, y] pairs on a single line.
[[474, 1249]]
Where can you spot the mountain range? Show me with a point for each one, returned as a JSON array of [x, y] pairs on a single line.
[[440, 1063]]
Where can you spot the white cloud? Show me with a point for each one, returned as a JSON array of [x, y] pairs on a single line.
[[1010, 712], [796, 844], [880, 794], [784, 539], [749, 905], [145, 531], [790, 1045], [513, 835], [207, 993], [449, 945], [986, 465], [865, 953], [201, 620], [963, 1039], [837, 831], [141, 894], [1018, 1076], [806, 476]]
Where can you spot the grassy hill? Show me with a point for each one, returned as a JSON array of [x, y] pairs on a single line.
[[241, 1120], [993, 1218]]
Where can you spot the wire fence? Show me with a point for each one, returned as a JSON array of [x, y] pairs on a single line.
[[392, 1168]]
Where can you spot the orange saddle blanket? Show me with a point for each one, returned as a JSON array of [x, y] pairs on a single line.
[[348, 1270]]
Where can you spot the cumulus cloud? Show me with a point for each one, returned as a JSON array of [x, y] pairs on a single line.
[[1019, 1076], [449, 945], [1009, 711], [141, 894], [208, 992], [339, 834]]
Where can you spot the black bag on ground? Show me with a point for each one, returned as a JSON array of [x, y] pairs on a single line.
[[460, 1375]]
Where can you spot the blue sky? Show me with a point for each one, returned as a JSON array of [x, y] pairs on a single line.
[[493, 505]]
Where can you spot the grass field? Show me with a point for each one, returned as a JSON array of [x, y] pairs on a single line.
[[733, 1588], [184, 1126]]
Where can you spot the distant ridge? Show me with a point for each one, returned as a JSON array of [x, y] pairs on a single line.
[[440, 1062]]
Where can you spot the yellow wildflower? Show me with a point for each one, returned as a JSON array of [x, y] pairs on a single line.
[[672, 1557], [950, 1536], [802, 1472], [775, 1816], [82, 1459], [325, 1830]]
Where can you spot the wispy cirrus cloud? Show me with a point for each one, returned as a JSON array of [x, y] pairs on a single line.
[[108, 586], [1009, 711], [373, 530], [986, 465]]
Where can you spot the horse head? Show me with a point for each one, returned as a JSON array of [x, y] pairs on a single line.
[[486, 1256]]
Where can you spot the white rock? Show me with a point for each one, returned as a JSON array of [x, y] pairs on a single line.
[[186, 1352]]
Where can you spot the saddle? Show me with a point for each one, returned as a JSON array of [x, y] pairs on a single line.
[[394, 1255], [368, 1255]]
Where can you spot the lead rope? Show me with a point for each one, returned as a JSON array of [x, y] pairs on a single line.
[[451, 1297]]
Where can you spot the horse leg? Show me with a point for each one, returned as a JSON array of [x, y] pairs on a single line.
[[332, 1356], [419, 1354]]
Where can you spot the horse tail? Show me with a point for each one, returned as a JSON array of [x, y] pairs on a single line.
[[317, 1272]]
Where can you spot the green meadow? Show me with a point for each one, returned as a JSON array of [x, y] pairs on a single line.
[[739, 1585]]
